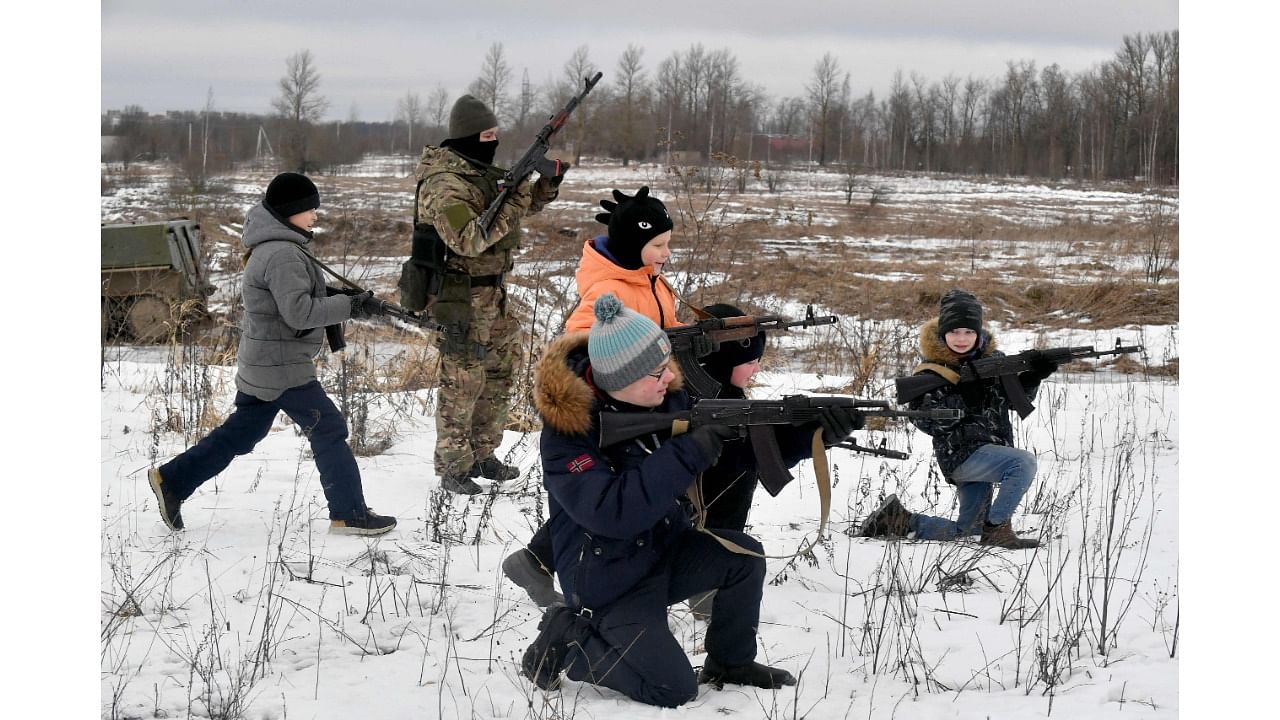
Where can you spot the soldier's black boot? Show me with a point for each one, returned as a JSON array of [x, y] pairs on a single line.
[[753, 674], [493, 469], [459, 483]]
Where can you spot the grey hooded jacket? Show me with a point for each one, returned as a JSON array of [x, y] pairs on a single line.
[[285, 308]]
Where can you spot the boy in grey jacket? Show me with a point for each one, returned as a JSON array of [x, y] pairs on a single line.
[[286, 307]]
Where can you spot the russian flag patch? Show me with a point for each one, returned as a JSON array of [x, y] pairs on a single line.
[[582, 463]]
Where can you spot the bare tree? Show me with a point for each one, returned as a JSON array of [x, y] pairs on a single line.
[[438, 107], [491, 86], [824, 93], [409, 110], [632, 92], [299, 105]]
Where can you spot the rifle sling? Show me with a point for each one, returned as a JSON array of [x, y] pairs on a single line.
[[940, 370], [820, 470]]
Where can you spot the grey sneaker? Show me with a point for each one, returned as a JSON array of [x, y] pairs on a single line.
[[522, 568], [170, 505]]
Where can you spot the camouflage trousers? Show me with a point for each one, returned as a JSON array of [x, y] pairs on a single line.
[[474, 394]]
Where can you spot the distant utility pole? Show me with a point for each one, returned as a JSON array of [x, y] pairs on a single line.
[[262, 138]]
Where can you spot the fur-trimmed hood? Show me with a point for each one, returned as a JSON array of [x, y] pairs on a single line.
[[934, 349], [561, 392]]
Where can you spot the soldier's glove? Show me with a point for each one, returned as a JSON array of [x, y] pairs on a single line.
[[839, 423], [365, 305], [710, 440], [558, 178], [1042, 366]]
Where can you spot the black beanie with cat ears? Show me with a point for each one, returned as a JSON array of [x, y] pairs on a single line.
[[633, 221]]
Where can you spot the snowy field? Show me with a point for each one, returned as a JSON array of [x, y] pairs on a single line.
[[254, 610]]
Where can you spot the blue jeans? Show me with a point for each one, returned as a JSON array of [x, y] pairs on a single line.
[[1010, 468], [313, 411]]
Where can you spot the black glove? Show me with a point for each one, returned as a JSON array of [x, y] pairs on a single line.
[[558, 178], [839, 423], [365, 305], [710, 440], [1042, 366]]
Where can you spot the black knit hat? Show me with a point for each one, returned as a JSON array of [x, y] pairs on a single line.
[[291, 193], [470, 116], [959, 309], [720, 364], [633, 221]]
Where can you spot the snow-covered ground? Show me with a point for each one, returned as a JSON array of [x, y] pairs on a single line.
[[255, 607], [255, 611]]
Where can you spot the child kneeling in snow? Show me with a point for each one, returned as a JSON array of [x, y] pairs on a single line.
[[976, 452]]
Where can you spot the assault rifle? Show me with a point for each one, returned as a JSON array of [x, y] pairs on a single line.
[[703, 337], [1006, 368], [752, 418], [535, 158], [391, 309]]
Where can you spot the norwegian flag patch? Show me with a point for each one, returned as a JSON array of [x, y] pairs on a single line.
[[582, 463]]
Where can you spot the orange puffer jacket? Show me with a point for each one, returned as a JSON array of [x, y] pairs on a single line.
[[639, 290]]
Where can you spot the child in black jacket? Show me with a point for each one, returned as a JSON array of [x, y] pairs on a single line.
[[975, 453]]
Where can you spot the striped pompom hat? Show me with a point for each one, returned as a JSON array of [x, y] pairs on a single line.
[[624, 345]]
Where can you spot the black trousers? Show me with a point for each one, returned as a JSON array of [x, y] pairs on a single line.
[[629, 647]]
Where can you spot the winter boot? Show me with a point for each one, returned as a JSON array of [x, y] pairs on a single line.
[[753, 673], [1002, 536], [460, 484], [170, 505], [366, 523], [523, 568], [493, 469], [890, 519], [700, 605], [548, 656]]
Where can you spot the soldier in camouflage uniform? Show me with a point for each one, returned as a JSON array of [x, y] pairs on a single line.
[[976, 452], [456, 183]]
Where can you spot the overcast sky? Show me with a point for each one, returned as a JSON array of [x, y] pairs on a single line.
[[167, 54]]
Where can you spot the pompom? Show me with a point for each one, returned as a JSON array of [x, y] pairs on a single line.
[[607, 307]]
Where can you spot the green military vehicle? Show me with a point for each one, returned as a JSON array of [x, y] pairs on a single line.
[[154, 280]]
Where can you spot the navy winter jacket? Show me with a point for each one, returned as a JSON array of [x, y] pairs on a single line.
[[614, 511]]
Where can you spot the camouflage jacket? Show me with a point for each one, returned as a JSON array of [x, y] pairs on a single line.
[[454, 192], [986, 407]]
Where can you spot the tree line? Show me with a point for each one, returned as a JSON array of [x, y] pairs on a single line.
[[1117, 120]]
